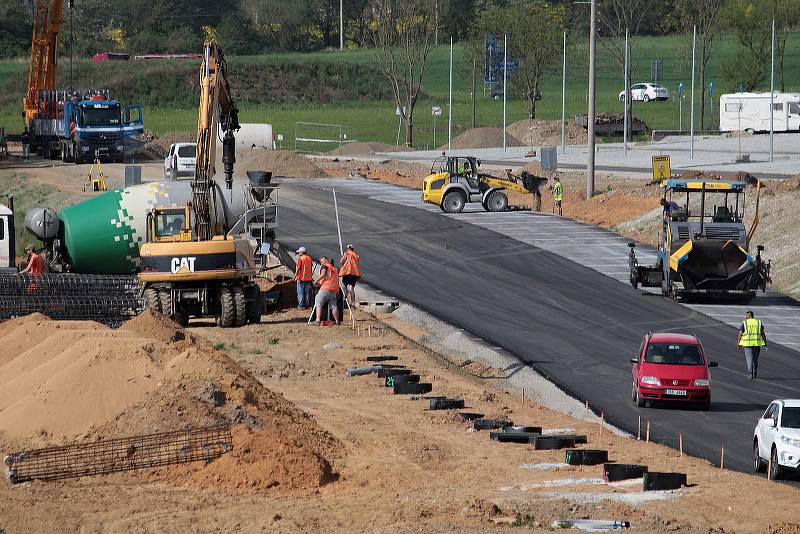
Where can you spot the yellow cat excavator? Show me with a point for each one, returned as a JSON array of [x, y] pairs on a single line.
[[190, 266]]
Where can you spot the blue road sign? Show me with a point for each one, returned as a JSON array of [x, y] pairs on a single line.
[[710, 88], [740, 87], [494, 60], [680, 88]]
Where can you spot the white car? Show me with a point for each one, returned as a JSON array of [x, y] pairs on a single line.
[[180, 161], [646, 92], [776, 440]]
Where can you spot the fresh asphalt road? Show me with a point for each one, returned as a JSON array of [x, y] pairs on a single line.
[[574, 325]]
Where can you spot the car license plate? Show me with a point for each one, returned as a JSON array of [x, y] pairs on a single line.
[[675, 392]]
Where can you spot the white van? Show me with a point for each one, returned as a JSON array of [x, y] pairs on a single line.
[[750, 112]]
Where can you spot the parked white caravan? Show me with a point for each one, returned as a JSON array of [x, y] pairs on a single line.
[[750, 112]]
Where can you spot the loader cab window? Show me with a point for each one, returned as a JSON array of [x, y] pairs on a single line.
[[170, 222]]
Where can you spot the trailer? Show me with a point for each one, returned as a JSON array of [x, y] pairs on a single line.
[[750, 112]]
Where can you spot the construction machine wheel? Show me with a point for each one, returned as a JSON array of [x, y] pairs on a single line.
[[253, 295], [497, 201], [152, 300], [165, 296], [454, 202], [240, 303], [227, 308]]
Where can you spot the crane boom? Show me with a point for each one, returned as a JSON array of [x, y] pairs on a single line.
[[215, 94], [47, 20]]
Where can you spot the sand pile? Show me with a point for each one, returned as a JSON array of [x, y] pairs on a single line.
[[280, 162], [539, 133], [82, 381], [360, 148], [482, 138], [151, 323], [150, 147]]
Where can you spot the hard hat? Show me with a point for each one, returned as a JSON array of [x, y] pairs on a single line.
[[301, 249]]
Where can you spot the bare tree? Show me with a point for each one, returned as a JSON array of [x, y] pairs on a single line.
[[704, 14], [402, 33], [787, 17], [614, 17]]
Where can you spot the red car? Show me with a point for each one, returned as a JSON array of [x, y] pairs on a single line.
[[671, 367]]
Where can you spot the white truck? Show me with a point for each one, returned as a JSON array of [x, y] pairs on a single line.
[[750, 112], [7, 246]]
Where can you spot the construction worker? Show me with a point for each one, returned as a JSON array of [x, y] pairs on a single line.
[[303, 276], [350, 271], [751, 338], [35, 262], [328, 294], [558, 194], [26, 143], [668, 206]]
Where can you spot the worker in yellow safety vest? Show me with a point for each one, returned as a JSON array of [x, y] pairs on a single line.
[[558, 194], [751, 338]]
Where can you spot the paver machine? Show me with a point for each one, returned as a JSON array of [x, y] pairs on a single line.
[[191, 265], [705, 249], [455, 181]]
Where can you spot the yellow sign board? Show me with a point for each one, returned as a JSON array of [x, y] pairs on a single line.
[[661, 170]]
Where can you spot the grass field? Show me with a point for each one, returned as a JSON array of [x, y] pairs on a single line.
[[377, 120]]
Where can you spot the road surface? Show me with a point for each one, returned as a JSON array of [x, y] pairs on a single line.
[[573, 324]]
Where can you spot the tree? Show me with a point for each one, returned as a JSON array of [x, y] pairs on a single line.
[[614, 17], [751, 64], [535, 34], [402, 33], [703, 14], [787, 16]]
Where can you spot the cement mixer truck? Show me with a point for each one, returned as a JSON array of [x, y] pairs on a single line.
[[705, 249]]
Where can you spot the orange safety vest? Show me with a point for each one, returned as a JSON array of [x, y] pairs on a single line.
[[304, 268], [330, 282], [37, 264], [350, 264]]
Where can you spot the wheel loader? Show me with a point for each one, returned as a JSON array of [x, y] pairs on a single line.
[[704, 250], [455, 181]]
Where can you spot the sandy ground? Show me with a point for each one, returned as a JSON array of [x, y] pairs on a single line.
[[402, 467]]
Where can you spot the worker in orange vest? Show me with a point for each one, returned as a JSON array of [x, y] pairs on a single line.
[[328, 294], [303, 276], [350, 272], [35, 262]]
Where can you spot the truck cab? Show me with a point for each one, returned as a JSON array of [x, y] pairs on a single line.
[[7, 245], [97, 128]]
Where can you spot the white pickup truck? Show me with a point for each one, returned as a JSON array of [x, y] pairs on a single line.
[[180, 161]]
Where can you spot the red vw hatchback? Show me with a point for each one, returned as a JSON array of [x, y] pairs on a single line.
[[671, 367]]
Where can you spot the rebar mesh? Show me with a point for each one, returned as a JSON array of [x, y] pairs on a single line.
[[117, 455], [108, 299]]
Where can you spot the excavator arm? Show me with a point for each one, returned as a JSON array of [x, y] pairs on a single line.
[[47, 20], [216, 103]]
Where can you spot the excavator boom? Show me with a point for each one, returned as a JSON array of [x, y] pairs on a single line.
[[214, 93], [47, 20]]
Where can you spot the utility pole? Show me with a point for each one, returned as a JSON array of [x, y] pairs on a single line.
[[772, 98], [474, 71], [505, 82], [625, 100], [450, 101], [564, 99], [341, 24], [591, 118], [691, 126]]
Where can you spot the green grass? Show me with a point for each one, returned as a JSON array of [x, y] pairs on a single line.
[[377, 120]]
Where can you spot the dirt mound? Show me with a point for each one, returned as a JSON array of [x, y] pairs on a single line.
[[539, 133], [153, 324], [482, 138], [360, 148], [280, 162], [151, 147], [82, 381], [14, 323]]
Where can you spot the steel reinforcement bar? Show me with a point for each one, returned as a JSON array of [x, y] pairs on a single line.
[[109, 310], [117, 455], [67, 284]]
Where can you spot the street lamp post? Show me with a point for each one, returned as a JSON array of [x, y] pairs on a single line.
[[591, 117]]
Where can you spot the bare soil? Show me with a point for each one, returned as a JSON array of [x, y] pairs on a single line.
[[482, 138], [361, 148], [319, 451], [538, 133]]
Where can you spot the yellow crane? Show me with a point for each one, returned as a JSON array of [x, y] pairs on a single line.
[[47, 21], [190, 266]]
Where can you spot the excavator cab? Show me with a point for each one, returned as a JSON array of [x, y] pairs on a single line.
[[169, 225]]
